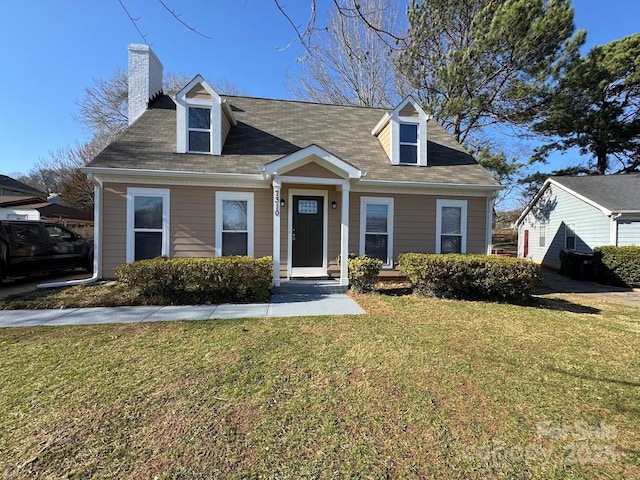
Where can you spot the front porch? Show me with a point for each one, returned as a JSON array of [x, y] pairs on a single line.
[[310, 214]]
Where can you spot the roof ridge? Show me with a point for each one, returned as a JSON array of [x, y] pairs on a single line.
[[307, 102]]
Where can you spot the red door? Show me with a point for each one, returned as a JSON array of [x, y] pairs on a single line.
[[525, 254]]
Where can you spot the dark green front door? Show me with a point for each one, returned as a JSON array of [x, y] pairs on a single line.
[[306, 249]]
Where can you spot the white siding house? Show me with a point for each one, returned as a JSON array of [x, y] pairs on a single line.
[[580, 213]]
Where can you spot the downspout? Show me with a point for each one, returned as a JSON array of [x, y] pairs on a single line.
[[613, 231], [97, 241], [489, 233]]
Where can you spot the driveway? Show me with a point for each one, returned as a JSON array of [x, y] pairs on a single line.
[[553, 282], [28, 284]]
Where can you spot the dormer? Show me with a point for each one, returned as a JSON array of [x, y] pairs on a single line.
[[403, 134], [203, 119]]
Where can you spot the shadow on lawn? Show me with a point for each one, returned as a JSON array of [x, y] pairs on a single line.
[[561, 305], [582, 376], [537, 302]]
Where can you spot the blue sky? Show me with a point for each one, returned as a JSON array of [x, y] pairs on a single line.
[[51, 51]]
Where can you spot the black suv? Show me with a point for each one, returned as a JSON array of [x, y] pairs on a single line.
[[28, 247]]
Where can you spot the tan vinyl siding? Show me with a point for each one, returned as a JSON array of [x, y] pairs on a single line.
[[114, 228], [263, 217], [312, 169], [414, 223], [226, 126], [191, 224], [199, 91], [385, 139], [409, 111]]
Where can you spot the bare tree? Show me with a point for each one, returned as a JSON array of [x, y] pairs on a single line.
[[103, 110], [351, 64]]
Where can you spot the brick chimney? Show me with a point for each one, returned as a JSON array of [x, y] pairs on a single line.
[[145, 79]]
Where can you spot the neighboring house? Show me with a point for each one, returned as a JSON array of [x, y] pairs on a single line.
[[200, 174], [18, 207], [10, 187], [580, 213], [16, 199]]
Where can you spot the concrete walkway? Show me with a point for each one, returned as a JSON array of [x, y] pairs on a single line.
[[281, 305]]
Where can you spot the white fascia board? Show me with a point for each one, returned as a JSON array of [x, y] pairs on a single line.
[[381, 124], [181, 95], [533, 201], [448, 186], [229, 112], [604, 210], [409, 99], [345, 168], [624, 212], [178, 177]]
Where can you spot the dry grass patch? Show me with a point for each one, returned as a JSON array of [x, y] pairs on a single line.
[[102, 294], [416, 388]]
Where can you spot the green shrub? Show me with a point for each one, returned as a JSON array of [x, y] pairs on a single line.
[[185, 281], [617, 265], [363, 273], [471, 276]]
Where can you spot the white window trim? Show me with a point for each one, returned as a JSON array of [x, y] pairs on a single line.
[[542, 236], [248, 197], [388, 201], [182, 117], [421, 120], [193, 104], [133, 192], [416, 144], [307, 271], [462, 204]]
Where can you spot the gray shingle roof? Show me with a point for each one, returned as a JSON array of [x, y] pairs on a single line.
[[270, 129], [8, 184], [614, 192]]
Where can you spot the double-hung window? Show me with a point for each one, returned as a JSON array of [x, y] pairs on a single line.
[[409, 143], [542, 235], [234, 223], [451, 226], [147, 223], [199, 130], [376, 228]]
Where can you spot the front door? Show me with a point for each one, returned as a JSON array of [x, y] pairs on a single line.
[[307, 235]]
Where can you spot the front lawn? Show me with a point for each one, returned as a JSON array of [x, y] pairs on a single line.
[[416, 388]]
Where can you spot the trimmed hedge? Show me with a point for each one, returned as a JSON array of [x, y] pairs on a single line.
[[471, 277], [617, 265], [363, 273], [185, 281]]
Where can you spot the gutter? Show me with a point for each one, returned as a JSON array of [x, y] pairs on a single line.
[[97, 242]]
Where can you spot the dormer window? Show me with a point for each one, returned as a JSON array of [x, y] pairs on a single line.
[[203, 119], [199, 129], [403, 134], [409, 143]]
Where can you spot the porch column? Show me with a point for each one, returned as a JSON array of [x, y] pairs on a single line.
[[276, 232], [344, 236]]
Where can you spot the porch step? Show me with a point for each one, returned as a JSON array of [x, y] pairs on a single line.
[[310, 285]]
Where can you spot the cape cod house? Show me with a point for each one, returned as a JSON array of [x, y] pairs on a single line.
[[201, 174], [580, 213]]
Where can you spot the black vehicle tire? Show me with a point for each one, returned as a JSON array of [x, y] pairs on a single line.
[[3, 261], [88, 263]]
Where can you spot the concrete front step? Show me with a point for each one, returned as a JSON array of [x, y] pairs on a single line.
[[310, 285]]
